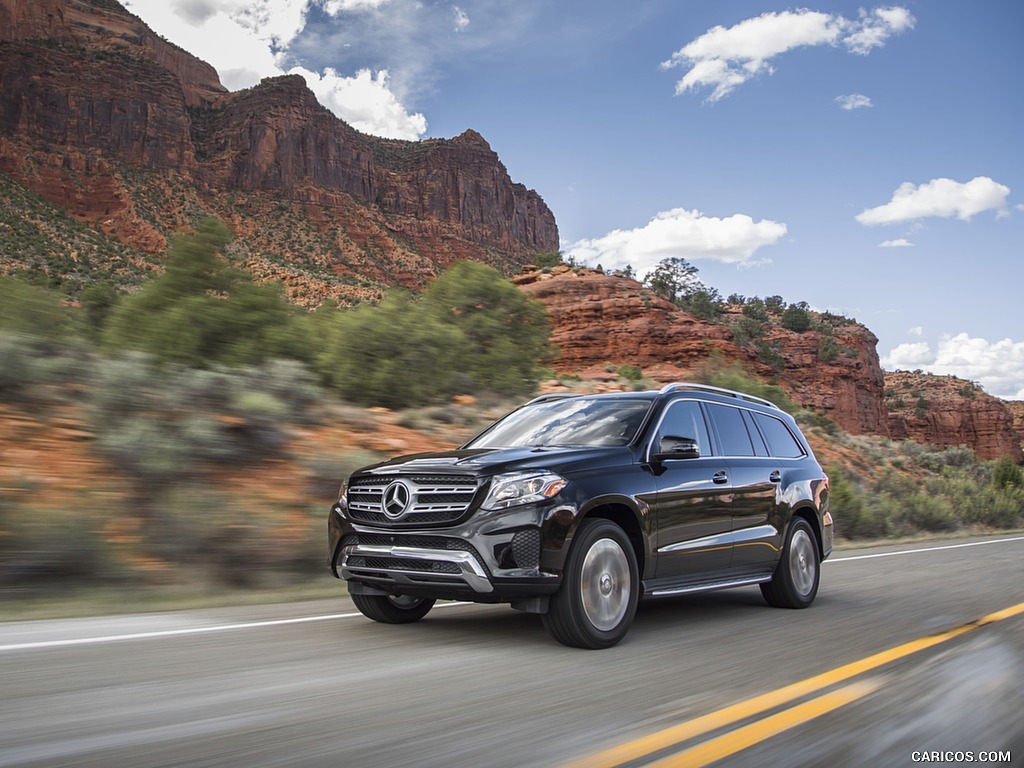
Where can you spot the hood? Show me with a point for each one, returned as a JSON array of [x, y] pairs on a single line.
[[493, 461]]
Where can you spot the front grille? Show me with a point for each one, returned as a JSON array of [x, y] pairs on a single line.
[[422, 500], [403, 564]]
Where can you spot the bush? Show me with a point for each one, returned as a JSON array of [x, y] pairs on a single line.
[[795, 318], [392, 355], [30, 310], [505, 333], [470, 332], [1006, 474], [203, 312]]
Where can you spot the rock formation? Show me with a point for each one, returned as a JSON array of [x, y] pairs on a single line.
[[602, 322], [945, 411], [93, 99]]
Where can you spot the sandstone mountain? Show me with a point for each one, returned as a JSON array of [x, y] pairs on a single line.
[[602, 322], [135, 136]]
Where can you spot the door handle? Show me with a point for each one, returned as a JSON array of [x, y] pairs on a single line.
[[775, 477], [720, 477]]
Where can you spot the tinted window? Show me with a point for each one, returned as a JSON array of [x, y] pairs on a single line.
[[781, 442], [731, 430], [684, 418], [760, 449], [574, 421]]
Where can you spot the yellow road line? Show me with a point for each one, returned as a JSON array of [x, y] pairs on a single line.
[[736, 741], [646, 745]]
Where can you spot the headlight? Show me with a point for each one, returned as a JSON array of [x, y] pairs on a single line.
[[522, 488]]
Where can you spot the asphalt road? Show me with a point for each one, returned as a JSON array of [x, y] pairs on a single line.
[[717, 677]]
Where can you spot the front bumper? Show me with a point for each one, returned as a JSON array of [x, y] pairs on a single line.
[[500, 556]]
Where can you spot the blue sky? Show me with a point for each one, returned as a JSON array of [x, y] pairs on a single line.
[[866, 159]]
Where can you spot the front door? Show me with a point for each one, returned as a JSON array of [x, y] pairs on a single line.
[[693, 502]]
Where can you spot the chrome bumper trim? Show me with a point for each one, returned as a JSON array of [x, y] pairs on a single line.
[[470, 570]]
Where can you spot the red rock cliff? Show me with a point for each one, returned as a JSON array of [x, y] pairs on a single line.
[[91, 96], [601, 322], [103, 25], [944, 411]]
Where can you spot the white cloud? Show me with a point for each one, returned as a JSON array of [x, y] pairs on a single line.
[[853, 101], [997, 366], [917, 330], [461, 19], [873, 28], [365, 102], [723, 58], [334, 7], [248, 40], [687, 234], [939, 197], [898, 243]]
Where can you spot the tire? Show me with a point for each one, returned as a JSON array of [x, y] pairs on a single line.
[[595, 605], [393, 609], [795, 582]]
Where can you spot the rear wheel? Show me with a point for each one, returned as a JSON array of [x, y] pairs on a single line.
[[393, 609], [595, 605], [795, 582]]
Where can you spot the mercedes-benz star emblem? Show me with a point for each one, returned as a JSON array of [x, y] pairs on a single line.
[[396, 499]]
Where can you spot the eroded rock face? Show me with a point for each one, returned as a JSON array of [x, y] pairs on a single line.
[[601, 322], [92, 96], [105, 27], [944, 411]]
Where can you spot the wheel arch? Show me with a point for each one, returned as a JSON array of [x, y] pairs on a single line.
[[626, 518], [809, 514]]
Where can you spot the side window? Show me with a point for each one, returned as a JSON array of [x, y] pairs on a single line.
[[781, 442], [684, 418], [732, 432], [760, 449]]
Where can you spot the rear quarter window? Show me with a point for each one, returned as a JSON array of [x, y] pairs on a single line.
[[781, 442]]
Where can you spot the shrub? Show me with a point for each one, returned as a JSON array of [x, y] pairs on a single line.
[[630, 372], [795, 318], [1006, 474]]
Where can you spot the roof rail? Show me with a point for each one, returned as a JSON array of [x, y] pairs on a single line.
[[550, 396], [719, 390]]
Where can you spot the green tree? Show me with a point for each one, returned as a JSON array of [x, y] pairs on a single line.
[[32, 310], [707, 305], [505, 333], [393, 354], [674, 278], [203, 311], [796, 318]]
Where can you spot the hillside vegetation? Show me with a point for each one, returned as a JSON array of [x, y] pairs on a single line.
[[190, 436]]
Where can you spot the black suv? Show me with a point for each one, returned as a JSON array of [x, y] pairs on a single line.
[[575, 507]]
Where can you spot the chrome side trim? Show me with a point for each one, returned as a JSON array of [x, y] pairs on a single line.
[[710, 586], [742, 536], [470, 570]]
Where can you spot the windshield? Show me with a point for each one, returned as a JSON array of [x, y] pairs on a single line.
[[577, 421]]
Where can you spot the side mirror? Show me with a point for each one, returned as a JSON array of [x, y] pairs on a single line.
[[671, 447]]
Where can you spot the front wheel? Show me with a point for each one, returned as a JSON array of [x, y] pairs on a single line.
[[393, 609], [595, 605], [795, 582]]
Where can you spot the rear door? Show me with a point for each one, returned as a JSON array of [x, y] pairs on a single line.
[[756, 478]]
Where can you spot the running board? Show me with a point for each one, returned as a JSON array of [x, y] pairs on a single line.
[[708, 586]]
